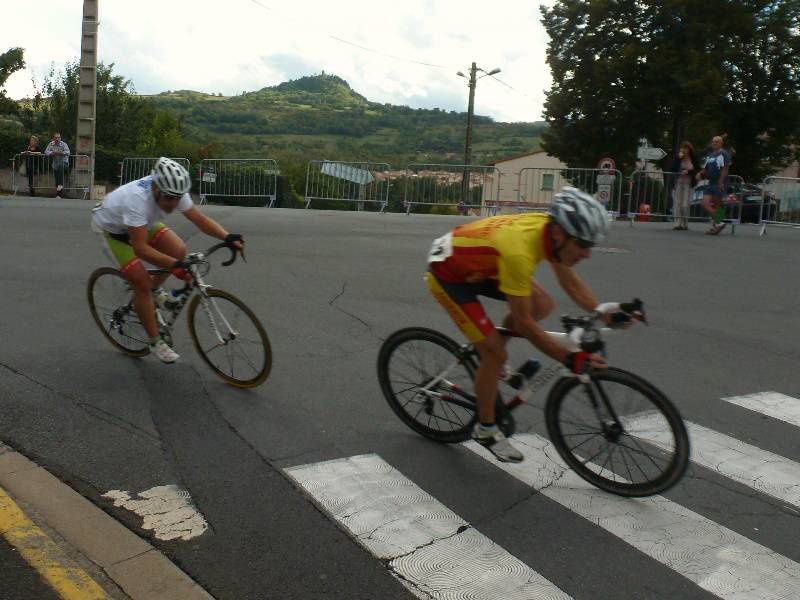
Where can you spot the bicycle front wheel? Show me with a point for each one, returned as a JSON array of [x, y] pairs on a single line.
[[230, 338], [111, 304], [619, 433]]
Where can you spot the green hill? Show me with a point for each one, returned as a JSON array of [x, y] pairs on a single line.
[[321, 116]]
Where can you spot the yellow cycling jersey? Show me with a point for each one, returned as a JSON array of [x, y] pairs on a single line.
[[506, 248]]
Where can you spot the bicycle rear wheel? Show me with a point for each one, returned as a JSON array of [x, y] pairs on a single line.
[[626, 437], [409, 361], [111, 304], [230, 338]]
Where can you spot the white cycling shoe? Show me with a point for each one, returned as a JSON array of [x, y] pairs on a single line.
[[163, 352], [497, 443]]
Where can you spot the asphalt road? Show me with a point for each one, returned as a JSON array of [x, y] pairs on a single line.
[[329, 287]]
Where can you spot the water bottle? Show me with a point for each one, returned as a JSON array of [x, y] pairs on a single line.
[[161, 297], [169, 300], [176, 299], [528, 369]]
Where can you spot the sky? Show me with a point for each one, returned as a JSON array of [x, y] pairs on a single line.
[[235, 46]]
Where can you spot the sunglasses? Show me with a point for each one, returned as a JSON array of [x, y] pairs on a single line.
[[583, 243]]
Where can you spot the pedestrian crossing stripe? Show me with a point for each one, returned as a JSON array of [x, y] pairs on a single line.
[[749, 465], [773, 404], [717, 559], [433, 551], [436, 554]]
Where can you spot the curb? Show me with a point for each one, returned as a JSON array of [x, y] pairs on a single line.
[[141, 571]]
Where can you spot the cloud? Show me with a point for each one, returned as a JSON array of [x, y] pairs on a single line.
[[245, 45]]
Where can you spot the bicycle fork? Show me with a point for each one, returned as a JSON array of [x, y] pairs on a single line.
[[207, 303], [610, 424]]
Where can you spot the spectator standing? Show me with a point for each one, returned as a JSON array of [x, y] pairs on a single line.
[[31, 163], [59, 151], [685, 165], [716, 168]]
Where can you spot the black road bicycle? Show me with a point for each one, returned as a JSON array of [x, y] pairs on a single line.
[[613, 428], [226, 333]]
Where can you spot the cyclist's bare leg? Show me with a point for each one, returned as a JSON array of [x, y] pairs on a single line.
[[542, 304], [170, 244], [492, 351], [141, 282]]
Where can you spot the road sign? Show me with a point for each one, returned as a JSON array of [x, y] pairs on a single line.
[[606, 179], [603, 194], [650, 153], [347, 172], [606, 165]]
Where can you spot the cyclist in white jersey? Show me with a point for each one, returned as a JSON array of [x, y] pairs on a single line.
[[129, 220]]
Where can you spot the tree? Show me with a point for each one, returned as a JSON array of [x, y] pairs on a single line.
[[125, 121], [670, 70], [11, 61]]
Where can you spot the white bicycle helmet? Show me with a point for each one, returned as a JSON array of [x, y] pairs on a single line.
[[171, 177], [580, 215]]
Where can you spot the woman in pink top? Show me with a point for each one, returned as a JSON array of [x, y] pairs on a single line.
[[685, 167]]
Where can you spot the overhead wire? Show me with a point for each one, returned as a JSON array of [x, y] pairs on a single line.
[[388, 55], [365, 48]]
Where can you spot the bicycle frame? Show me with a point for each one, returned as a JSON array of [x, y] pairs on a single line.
[[544, 376], [197, 286]]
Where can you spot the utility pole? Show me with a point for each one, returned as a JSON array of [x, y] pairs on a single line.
[[87, 93], [468, 144], [473, 79]]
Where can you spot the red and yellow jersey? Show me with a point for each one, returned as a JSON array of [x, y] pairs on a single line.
[[506, 248]]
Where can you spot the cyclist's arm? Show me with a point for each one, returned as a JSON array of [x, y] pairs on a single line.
[[138, 238], [575, 287], [207, 225], [526, 325]]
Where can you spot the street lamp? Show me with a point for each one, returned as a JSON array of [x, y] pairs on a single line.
[[470, 108]]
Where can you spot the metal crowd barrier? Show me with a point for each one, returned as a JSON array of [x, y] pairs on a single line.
[[440, 185], [538, 184], [780, 202], [651, 196], [362, 183], [40, 174], [135, 168], [245, 181]]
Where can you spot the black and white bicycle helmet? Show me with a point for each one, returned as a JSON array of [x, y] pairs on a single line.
[[580, 215], [171, 177]]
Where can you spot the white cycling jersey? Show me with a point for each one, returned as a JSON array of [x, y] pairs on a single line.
[[133, 205]]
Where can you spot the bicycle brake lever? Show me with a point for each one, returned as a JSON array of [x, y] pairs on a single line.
[[232, 259]]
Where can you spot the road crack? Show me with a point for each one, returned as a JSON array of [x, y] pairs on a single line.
[[95, 412]]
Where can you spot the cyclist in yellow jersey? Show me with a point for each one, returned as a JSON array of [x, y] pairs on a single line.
[[497, 257]]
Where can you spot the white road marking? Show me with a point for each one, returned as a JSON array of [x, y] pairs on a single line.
[[759, 469], [166, 509], [433, 551], [773, 404], [715, 558]]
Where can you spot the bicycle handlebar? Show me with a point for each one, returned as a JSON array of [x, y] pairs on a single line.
[[585, 335], [634, 309], [234, 253]]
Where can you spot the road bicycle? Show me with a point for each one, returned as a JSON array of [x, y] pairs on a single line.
[[226, 333], [612, 427]]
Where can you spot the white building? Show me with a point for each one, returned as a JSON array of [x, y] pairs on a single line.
[[527, 178]]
